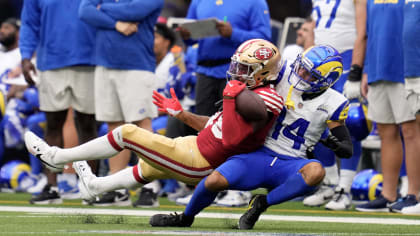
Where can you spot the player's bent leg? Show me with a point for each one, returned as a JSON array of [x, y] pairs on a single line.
[[298, 183], [313, 173], [179, 158], [216, 182]]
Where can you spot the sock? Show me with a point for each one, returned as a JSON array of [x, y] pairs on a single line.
[[331, 175], [346, 179], [123, 179], [293, 187], [201, 199], [155, 186], [99, 148]]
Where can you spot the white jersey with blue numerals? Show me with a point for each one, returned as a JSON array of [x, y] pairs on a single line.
[[335, 23], [297, 129]]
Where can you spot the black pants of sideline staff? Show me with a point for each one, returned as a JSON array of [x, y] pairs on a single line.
[[208, 91]]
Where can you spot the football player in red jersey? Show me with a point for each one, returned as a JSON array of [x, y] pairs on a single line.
[[254, 66]]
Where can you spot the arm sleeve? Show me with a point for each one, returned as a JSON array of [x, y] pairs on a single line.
[[29, 31], [259, 22], [344, 147], [234, 128], [91, 15], [134, 11]]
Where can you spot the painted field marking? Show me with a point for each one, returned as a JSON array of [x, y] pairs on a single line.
[[335, 219]]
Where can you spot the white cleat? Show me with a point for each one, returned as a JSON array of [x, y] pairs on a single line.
[[41, 150], [340, 201], [234, 198], [321, 196], [85, 177], [183, 200]]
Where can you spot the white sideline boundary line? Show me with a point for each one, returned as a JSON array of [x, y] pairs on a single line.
[[335, 219]]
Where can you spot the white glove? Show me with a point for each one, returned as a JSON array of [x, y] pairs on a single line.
[[352, 89]]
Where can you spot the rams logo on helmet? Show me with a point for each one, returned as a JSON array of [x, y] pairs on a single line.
[[366, 186], [13, 173], [316, 69]]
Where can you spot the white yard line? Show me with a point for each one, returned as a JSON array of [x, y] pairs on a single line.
[[335, 219]]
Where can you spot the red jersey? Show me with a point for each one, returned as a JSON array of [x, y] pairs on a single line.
[[212, 141]]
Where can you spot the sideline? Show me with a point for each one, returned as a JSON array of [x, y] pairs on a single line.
[[335, 219]]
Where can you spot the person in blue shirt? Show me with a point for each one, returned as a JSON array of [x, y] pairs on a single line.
[[388, 105], [124, 76], [238, 22], [411, 47], [64, 47]]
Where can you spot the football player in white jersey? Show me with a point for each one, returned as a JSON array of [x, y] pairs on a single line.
[[335, 25], [282, 165]]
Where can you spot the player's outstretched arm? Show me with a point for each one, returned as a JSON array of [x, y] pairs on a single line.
[[173, 107], [195, 121]]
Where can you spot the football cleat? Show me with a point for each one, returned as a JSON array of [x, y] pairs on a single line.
[[147, 198], [184, 200], [340, 201], [171, 220], [321, 196], [41, 150], [85, 177], [49, 195], [257, 205], [114, 198], [234, 199]]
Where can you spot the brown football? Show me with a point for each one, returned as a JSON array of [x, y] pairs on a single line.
[[250, 106]]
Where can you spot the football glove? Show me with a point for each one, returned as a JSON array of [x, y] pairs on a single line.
[[352, 90], [352, 86], [233, 88], [331, 142], [170, 106]]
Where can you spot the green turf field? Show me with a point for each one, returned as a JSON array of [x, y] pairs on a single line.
[[17, 217]]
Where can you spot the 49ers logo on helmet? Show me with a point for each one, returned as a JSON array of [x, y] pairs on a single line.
[[263, 53]]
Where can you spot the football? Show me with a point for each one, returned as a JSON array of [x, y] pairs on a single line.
[[250, 106]]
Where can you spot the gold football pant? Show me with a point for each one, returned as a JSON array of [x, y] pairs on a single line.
[[163, 157]]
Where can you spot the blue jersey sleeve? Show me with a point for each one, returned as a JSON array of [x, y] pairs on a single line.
[[341, 112], [134, 11], [29, 31], [89, 13], [259, 20]]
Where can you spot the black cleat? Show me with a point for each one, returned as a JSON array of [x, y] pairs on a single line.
[[49, 195], [257, 205], [147, 198], [171, 220]]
